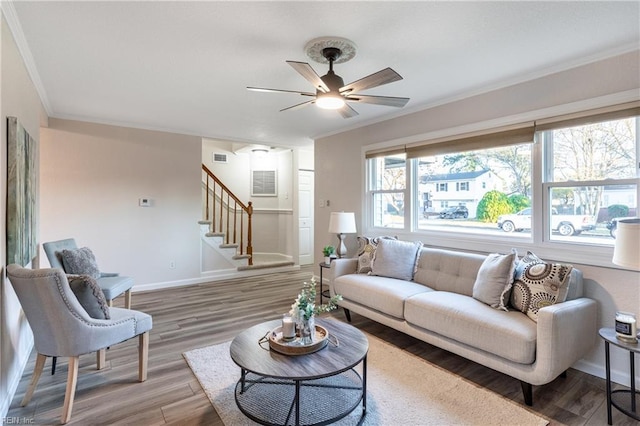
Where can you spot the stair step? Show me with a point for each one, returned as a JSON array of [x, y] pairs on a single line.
[[228, 245], [265, 265], [215, 234], [204, 222], [241, 256]]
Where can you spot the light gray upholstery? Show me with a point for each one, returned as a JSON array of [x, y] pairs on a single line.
[[62, 328], [438, 308], [112, 284]]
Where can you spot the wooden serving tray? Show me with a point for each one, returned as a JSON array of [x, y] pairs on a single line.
[[295, 347]]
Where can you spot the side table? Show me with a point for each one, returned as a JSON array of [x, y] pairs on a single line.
[[323, 266], [623, 400]]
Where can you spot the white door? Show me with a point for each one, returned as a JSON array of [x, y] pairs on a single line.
[[305, 217]]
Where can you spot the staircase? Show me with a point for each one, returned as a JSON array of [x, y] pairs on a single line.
[[226, 230]]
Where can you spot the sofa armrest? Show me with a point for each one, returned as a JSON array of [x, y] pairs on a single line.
[[343, 267], [566, 332]]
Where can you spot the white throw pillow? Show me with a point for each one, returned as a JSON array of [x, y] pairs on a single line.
[[395, 259], [495, 278]]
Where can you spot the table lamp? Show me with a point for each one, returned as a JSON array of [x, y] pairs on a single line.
[[342, 223], [626, 252]]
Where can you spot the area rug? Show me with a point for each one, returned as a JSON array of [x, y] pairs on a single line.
[[402, 389]]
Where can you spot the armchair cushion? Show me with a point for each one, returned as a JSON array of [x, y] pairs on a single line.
[[80, 261], [90, 296]]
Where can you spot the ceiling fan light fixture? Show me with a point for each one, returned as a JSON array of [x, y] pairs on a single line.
[[329, 101]]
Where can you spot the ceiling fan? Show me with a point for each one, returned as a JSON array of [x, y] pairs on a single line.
[[332, 93]]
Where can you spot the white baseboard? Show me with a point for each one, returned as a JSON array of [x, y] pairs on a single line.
[[12, 386], [617, 376]]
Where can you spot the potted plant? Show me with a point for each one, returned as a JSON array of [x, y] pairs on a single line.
[[328, 252]]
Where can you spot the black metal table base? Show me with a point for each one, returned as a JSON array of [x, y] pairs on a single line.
[[626, 401], [275, 401]]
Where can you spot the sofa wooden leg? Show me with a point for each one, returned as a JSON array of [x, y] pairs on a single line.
[[527, 392], [347, 314]]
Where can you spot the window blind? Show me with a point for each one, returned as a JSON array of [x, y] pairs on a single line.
[[614, 112], [492, 138]]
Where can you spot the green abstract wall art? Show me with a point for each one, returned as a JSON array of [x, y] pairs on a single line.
[[21, 194]]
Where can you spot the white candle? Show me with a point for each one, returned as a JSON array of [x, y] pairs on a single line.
[[626, 327], [288, 328]]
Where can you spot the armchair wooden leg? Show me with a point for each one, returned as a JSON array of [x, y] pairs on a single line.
[[143, 356], [127, 299], [34, 379], [101, 358], [72, 380]]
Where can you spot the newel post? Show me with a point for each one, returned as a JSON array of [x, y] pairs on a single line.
[[249, 246]]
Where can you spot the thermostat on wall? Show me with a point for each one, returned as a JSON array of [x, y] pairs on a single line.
[[144, 202]]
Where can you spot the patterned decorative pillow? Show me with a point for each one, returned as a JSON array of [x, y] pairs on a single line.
[[90, 296], [366, 250], [80, 262], [495, 278], [538, 284]]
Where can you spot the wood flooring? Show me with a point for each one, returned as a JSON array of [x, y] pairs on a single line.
[[199, 315]]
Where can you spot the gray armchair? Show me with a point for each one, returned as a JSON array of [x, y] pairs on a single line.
[[112, 284], [63, 328]]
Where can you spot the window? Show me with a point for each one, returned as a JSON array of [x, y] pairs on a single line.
[[509, 188], [462, 186], [387, 184], [582, 172], [589, 180]]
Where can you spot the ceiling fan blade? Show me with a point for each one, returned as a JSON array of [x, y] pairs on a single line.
[[378, 100], [305, 70], [264, 89], [379, 78], [299, 105], [347, 112]]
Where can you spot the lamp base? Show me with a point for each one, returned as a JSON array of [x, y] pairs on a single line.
[[342, 249]]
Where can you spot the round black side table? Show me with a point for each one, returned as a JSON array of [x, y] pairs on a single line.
[[626, 401]]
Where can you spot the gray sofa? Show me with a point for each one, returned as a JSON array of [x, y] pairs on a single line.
[[437, 307]]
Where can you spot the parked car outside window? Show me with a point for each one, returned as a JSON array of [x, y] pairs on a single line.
[[454, 212]]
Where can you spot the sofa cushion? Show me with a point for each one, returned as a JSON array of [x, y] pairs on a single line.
[[386, 295], [448, 270], [81, 262], [366, 250], [495, 278], [90, 295], [395, 259], [510, 335], [538, 284]]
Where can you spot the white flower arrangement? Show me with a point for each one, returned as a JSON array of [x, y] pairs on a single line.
[[305, 308]]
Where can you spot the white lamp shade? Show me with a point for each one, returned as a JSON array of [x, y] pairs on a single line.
[[342, 223], [626, 251]]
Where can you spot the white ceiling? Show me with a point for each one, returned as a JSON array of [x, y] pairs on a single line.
[[183, 66]]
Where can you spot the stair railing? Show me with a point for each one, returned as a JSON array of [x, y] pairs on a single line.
[[224, 210]]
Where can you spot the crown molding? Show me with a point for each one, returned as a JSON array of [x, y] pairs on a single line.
[[11, 16]]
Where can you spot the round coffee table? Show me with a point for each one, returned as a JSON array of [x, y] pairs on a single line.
[[317, 388]]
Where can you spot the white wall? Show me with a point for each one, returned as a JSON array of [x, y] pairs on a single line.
[[92, 177], [340, 178], [18, 98]]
